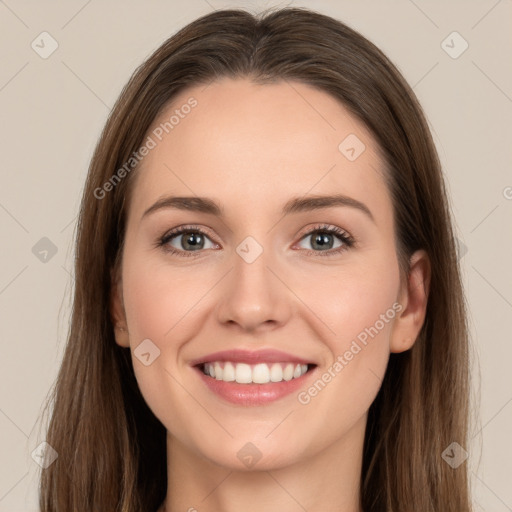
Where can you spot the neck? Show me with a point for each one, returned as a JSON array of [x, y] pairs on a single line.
[[312, 483]]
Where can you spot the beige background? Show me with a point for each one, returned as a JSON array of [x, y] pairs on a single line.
[[53, 110]]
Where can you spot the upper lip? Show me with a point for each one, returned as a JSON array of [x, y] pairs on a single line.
[[251, 357]]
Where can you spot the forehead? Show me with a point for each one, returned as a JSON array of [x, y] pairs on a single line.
[[253, 145]]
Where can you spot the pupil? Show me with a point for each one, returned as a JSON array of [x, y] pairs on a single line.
[[322, 240], [190, 243]]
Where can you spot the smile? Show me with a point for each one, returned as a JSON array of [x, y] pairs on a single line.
[[253, 378]]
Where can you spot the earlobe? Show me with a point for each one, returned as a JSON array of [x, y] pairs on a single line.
[[414, 299], [118, 315]]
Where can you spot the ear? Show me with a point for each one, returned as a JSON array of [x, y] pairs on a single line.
[[413, 299], [117, 312]]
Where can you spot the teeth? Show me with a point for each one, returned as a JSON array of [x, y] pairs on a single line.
[[260, 373], [288, 372], [229, 373], [243, 374], [276, 373]]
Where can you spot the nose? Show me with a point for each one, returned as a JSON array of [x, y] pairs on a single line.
[[254, 296]]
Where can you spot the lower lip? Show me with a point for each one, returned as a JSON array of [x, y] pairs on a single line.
[[253, 394]]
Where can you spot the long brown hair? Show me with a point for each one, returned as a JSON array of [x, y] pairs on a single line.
[[112, 451]]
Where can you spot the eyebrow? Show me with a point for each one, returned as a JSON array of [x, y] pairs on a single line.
[[294, 205]]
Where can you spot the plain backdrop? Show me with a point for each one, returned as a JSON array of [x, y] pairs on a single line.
[[53, 108]]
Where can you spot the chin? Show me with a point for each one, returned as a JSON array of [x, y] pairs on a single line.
[[252, 455]]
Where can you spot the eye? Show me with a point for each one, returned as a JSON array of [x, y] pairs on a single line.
[[322, 239], [185, 240], [188, 240]]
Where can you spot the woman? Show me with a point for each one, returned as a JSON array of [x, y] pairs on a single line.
[[268, 311]]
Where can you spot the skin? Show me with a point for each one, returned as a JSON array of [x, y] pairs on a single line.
[[251, 148]]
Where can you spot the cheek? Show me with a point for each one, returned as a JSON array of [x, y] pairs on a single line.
[[161, 305], [158, 299], [354, 299], [359, 305]]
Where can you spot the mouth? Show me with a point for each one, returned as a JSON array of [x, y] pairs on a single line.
[[253, 378]]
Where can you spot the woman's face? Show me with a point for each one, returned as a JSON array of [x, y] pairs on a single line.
[[258, 289]]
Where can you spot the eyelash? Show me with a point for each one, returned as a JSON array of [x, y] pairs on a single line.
[[342, 235]]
